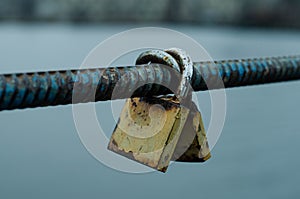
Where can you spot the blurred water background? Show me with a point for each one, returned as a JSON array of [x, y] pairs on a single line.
[[236, 12], [256, 156]]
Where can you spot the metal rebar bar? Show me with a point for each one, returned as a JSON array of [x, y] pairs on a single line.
[[39, 89]]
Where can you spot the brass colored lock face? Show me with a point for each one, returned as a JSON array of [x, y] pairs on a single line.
[[148, 130]]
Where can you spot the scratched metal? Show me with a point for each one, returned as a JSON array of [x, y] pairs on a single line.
[[38, 89], [176, 59]]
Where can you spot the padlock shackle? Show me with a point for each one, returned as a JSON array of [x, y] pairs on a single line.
[[177, 59]]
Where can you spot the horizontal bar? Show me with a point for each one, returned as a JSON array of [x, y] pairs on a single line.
[[40, 89]]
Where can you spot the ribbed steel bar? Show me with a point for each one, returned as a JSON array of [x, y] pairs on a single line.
[[39, 89]]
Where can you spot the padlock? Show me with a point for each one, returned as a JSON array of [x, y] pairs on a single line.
[[155, 130], [148, 130]]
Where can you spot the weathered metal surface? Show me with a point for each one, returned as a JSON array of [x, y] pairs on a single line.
[[192, 145], [176, 59], [148, 130], [153, 135], [38, 89], [158, 56], [186, 69], [135, 136]]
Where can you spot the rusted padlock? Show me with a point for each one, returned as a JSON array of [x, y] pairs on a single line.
[[148, 130], [156, 130]]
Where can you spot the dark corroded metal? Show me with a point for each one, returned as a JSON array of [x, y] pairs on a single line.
[[158, 56], [175, 58], [26, 90], [192, 145]]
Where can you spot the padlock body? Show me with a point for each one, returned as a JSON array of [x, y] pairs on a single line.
[[192, 145], [148, 130]]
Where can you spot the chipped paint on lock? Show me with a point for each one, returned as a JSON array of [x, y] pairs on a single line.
[[134, 135]]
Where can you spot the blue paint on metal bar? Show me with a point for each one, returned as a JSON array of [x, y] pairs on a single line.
[[241, 71], [38, 89]]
